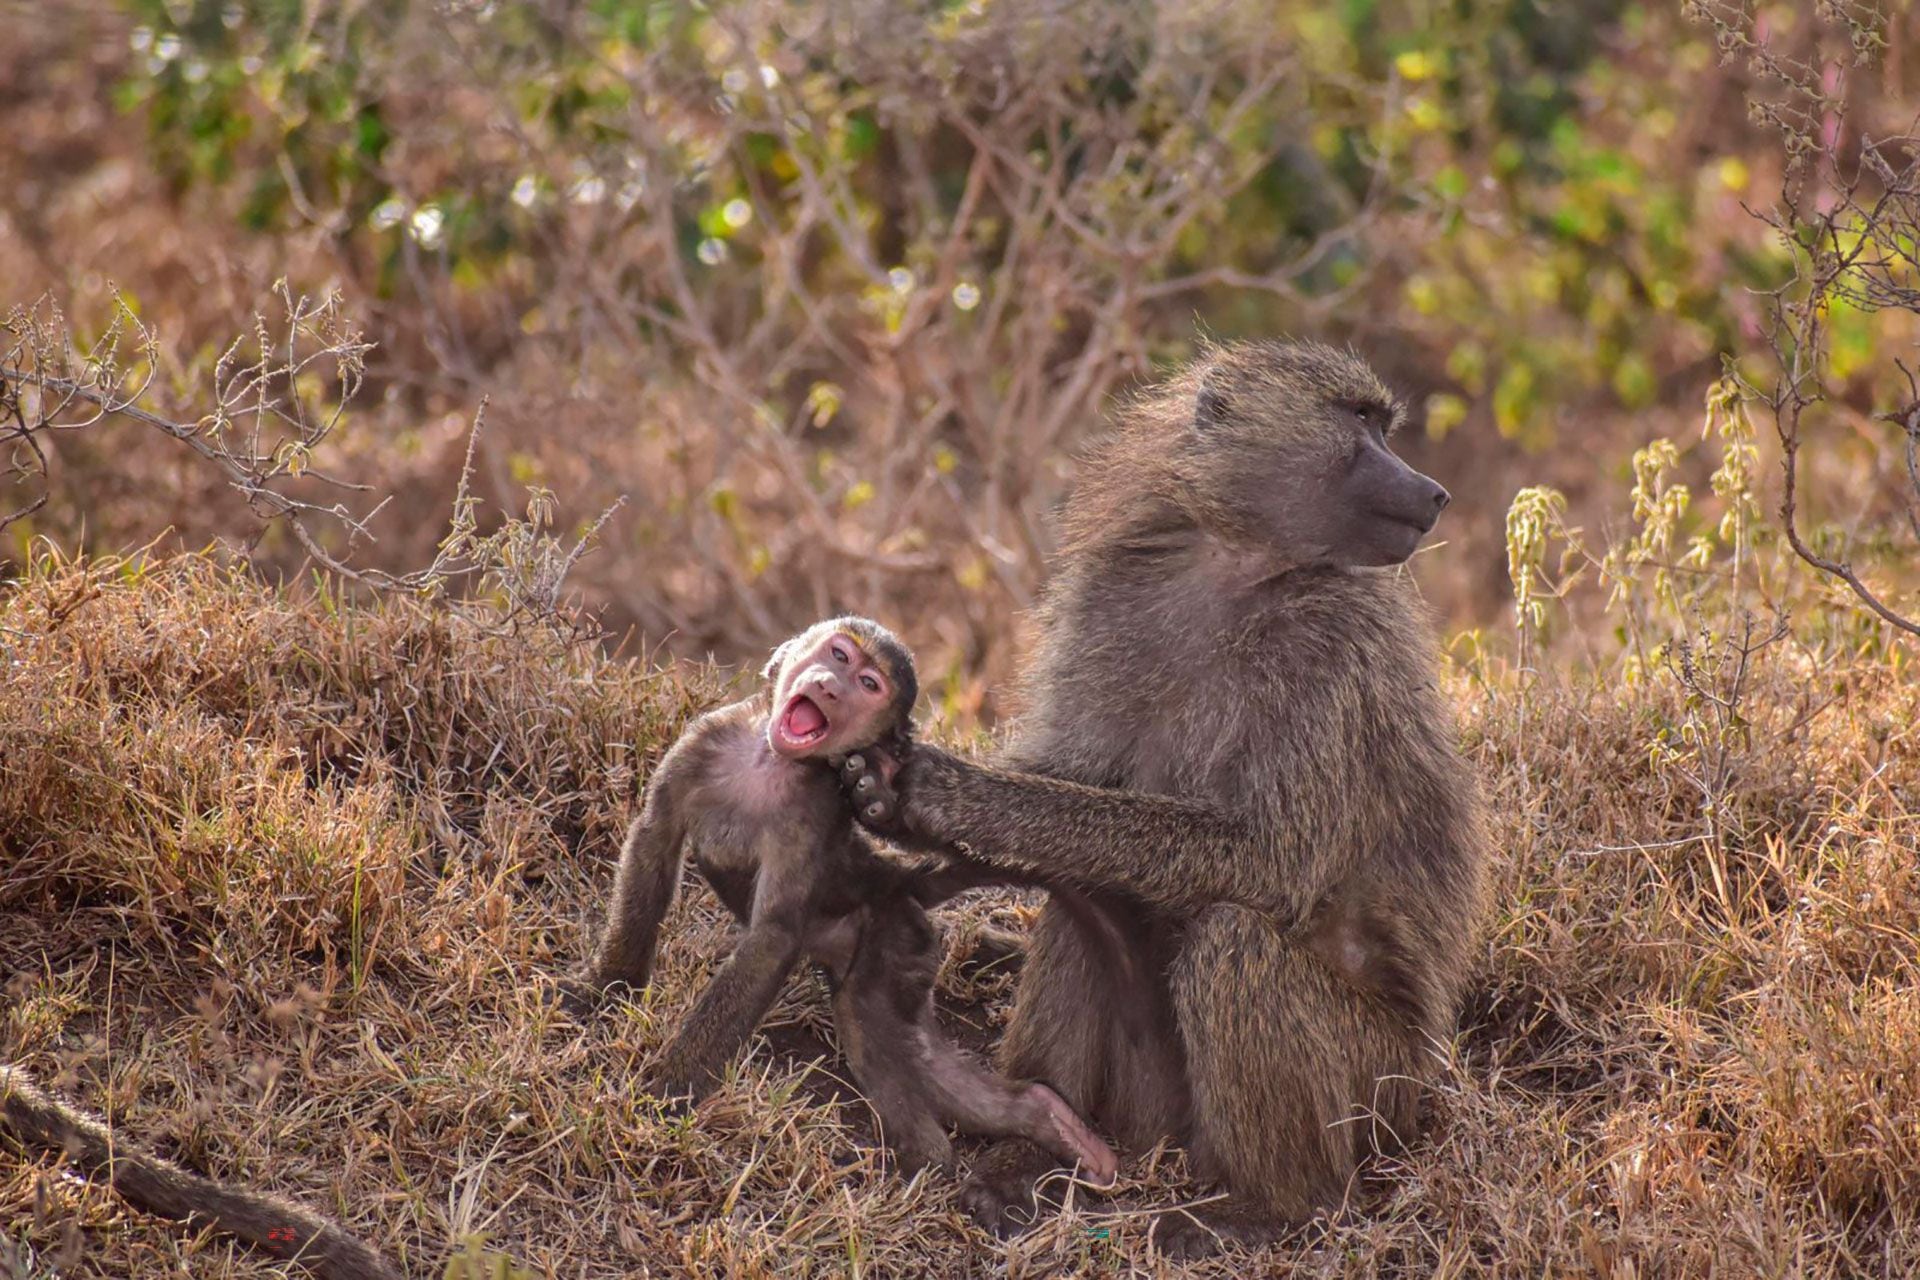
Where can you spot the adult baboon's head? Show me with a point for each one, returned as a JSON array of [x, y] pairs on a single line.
[[1286, 446]]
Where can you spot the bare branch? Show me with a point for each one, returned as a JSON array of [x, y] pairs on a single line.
[[1851, 240]]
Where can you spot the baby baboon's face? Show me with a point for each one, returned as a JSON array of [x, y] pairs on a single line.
[[1292, 442], [834, 690]]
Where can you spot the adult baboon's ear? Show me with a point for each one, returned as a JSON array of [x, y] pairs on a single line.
[[1210, 405]]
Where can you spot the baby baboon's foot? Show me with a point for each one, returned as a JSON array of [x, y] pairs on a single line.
[[576, 995], [678, 1083], [932, 1150], [1072, 1139], [1000, 1195], [676, 1097]]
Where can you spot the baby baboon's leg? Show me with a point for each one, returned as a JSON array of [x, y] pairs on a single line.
[[887, 978], [886, 1060], [728, 1011], [1088, 1021], [980, 1102]]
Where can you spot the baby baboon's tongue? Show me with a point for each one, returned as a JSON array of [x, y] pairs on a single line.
[[804, 719]]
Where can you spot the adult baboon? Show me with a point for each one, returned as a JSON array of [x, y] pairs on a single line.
[[1237, 776]]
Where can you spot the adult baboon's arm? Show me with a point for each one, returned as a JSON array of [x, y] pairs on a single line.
[[1182, 854]]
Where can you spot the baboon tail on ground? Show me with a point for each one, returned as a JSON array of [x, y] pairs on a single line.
[[267, 1222]]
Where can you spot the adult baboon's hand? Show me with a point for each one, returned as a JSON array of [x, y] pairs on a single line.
[[872, 779]]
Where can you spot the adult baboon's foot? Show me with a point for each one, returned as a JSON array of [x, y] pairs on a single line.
[[1187, 1235], [1000, 1195], [994, 950]]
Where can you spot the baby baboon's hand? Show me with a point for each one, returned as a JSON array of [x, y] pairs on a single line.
[[868, 777]]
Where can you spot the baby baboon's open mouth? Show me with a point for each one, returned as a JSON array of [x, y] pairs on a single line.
[[802, 723]]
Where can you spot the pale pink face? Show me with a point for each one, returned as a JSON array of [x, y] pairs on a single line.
[[829, 696]]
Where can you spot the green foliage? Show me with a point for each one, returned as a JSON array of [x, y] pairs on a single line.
[[300, 108]]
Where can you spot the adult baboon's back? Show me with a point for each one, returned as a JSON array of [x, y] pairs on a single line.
[[1237, 775]]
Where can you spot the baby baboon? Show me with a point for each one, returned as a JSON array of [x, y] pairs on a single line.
[[1239, 780], [748, 793], [278, 1226]]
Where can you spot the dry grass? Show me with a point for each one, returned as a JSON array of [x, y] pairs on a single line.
[[282, 881]]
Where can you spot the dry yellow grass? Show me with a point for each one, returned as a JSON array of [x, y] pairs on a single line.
[[282, 881]]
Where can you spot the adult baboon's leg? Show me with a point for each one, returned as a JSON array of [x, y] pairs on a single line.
[[1338, 1077]]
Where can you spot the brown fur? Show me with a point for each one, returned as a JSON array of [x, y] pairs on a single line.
[[280, 1227], [776, 839], [1240, 779]]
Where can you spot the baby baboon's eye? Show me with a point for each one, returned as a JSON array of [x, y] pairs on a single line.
[[869, 684], [839, 654]]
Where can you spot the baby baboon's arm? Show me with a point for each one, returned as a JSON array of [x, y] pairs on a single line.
[[1177, 853], [742, 992], [643, 890], [645, 885]]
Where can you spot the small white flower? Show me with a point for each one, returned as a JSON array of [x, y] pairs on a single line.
[[901, 279], [966, 295], [590, 190], [526, 191], [427, 225], [167, 48], [735, 81], [768, 76], [712, 251], [386, 215], [737, 213], [141, 39]]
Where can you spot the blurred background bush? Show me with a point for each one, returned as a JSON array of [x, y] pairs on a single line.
[[834, 292]]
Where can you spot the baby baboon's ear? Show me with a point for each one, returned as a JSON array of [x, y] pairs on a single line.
[[1210, 406], [778, 656]]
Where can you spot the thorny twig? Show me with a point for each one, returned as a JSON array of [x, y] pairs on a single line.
[[270, 415]]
